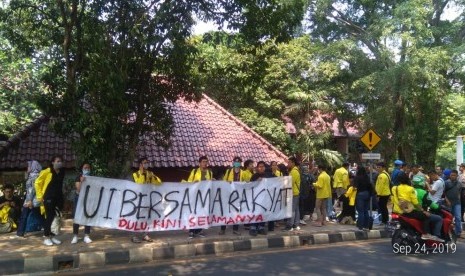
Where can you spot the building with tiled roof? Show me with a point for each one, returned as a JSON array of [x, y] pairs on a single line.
[[200, 128]]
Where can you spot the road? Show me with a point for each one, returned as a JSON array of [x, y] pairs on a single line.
[[358, 258]]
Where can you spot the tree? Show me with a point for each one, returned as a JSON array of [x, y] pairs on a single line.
[[18, 86], [111, 68], [404, 57]]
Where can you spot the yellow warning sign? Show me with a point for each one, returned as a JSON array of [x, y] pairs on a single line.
[[370, 139]]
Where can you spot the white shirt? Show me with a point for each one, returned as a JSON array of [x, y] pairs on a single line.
[[437, 186]]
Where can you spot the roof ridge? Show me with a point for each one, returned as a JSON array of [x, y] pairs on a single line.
[[243, 125], [23, 133]]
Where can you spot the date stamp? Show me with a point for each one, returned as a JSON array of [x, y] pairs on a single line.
[[422, 248]]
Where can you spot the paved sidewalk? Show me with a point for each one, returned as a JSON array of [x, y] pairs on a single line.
[[26, 255]]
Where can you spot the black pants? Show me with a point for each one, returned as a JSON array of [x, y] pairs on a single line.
[[382, 204], [235, 227], [311, 201], [50, 206], [75, 225], [347, 210], [304, 207]]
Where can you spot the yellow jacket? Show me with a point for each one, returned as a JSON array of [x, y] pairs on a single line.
[[295, 181], [247, 175], [278, 173], [229, 175], [383, 184], [323, 186], [351, 194], [341, 178], [146, 178], [196, 175], [41, 185], [404, 192]]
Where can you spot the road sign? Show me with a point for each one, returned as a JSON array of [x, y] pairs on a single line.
[[371, 156], [370, 139]]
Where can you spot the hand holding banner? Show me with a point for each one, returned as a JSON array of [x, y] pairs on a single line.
[[125, 205]]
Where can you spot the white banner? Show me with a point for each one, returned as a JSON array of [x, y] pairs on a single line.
[[125, 205]]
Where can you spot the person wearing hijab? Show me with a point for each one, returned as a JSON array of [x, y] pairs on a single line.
[[33, 170]]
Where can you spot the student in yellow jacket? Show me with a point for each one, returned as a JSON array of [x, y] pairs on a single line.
[[199, 174], [405, 193], [293, 222], [341, 179], [275, 169], [233, 174], [49, 191], [144, 176], [383, 182], [248, 170], [323, 193]]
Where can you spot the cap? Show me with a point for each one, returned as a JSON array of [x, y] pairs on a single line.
[[398, 162], [447, 172], [462, 165]]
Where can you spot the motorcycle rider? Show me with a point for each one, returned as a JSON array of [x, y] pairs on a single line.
[[404, 194], [425, 202]]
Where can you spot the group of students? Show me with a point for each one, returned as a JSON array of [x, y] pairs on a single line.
[[312, 191], [424, 194]]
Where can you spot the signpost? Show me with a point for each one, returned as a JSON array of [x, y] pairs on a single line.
[[371, 156], [370, 139]]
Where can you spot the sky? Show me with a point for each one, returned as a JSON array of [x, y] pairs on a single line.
[[451, 13]]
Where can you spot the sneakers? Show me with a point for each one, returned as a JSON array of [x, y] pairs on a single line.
[[136, 239], [235, 232], [74, 240], [287, 229], [427, 237], [48, 242], [201, 234], [261, 232], [191, 235], [303, 222], [55, 241], [297, 228], [253, 232], [306, 217], [87, 239], [438, 239]]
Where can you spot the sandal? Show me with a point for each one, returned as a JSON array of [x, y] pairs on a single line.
[[147, 238]]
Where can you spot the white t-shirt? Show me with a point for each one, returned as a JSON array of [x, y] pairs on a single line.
[[437, 186]]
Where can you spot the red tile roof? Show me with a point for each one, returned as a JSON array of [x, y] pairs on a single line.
[[200, 128]]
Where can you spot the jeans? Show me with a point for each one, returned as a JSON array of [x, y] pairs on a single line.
[[23, 221], [75, 225], [456, 212], [382, 204], [329, 207], [437, 224], [295, 218], [362, 204]]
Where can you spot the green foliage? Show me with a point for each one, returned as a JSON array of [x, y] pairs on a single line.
[[401, 60], [112, 68], [18, 86]]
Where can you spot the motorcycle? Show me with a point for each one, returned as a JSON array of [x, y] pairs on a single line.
[[407, 232]]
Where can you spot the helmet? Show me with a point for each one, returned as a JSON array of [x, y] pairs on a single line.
[[418, 181], [398, 162]]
